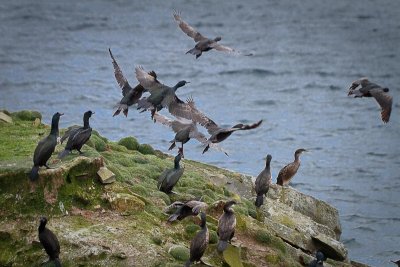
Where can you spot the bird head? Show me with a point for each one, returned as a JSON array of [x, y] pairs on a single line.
[[299, 151], [218, 38], [320, 257], [203, 219], [385, 90], [43, 220], [88, 113], [181, 83], [268, 158]]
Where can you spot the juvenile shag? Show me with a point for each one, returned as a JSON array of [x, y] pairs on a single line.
[[226, 226], [45, 148], [319, 261], [199, 243], [49, 242], [130, 95], [77, 137], [287, 172], [203, 44], [170, 177], [189, 208], [369, 89], [185, 130], [161, 96], [263, 181]]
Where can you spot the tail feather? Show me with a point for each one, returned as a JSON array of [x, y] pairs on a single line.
[[259, 200], [222, 245], [172, 146], [194, 51], [64, 153], [173, 218], [57, 262], [121, 107], [34, 175]]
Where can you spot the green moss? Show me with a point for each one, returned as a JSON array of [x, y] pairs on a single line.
[[146, 149], [97, 143], [26, 115], [129, 142], [213, 237], [232, 256], [179, 252], [285, 220]]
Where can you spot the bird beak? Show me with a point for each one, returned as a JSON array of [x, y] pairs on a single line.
[[93, 113], [61, 114], [187, 82]]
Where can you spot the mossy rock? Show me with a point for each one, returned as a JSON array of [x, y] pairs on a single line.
[[146, 149], [232, 256], [191, 229], [27, 115], [266, 238], [97, 143], [126, 203], [213, 237], [179, 253], [129, 142]]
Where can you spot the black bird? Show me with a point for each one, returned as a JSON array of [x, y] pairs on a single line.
[[199, 243], [287, 172], [369, 89], [45, 148], [77, 137], [319, 261], [226, 226], [161, 96], [189, 208], [170, 177], [203, 44], [263, 181], [185, 130], [130, 95], [396, 262], [50, 242]]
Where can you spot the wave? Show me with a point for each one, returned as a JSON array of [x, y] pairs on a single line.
[[256, 71]]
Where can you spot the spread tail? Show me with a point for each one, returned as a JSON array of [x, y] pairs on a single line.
[[64, 153], [34, 175], [222, 245], [259, 200], [123, 108], [194, 51]]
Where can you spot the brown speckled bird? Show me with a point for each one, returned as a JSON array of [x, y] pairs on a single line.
[[287, 172]]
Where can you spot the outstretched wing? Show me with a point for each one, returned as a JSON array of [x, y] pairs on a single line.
[[119, 76], [186, 28], [176, 125], [385, 102], [223, 48], [148, 81]]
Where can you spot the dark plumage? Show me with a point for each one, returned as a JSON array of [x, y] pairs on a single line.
[[77, 137], [199, 243], [161, 96], [130, 95], [49, 242], [287, 172], [226, 226], [45, 148], [319, 261], [203, 44], [170, 177], [369, 89], [189, 208], [396, 262], [263, 181]]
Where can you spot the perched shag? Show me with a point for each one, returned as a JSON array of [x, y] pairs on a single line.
[[369, 89], [50, 242], [185, 130], [45, 148], [77, 137], [170, 177], [161, 96], [319, 261], [203, 44], [287, 172], [226, 226], [263, 181], [189, 208], [199, 243], [130, 95], [396, 262]]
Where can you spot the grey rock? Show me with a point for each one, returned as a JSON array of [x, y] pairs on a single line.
[[4, 117], [106, 176]]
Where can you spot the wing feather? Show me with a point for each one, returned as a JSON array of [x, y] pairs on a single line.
[[385, 102], [186, 28]]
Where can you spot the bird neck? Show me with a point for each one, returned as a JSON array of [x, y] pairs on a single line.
[[86, 122], [296, 157], [267, 164], [54, 127], [203, 224], [42, 226], [176, 162]]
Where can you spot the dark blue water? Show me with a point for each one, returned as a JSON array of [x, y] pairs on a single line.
[[53, 57]]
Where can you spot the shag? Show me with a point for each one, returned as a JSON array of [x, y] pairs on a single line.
[[369, 89], [199, 243], [396, 262], [49, 242], [203, 44], [319, 261], [77, 137], [130, 95], [170, 177], [263, 181], [185, 130], [45, 148], [161, 96], [226, 226], [189, 208], [287, 172]]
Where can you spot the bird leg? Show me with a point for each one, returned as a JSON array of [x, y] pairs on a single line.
[[80, 152]]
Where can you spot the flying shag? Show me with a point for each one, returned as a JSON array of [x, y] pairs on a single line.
[[189, 208], [45, 148], [77, 137], [287, 172], [161, 96], [369, 89], [199, 243], [49, 242], [263, 181], [226, 226], [170, 177], [203, 44], [130, 95]]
